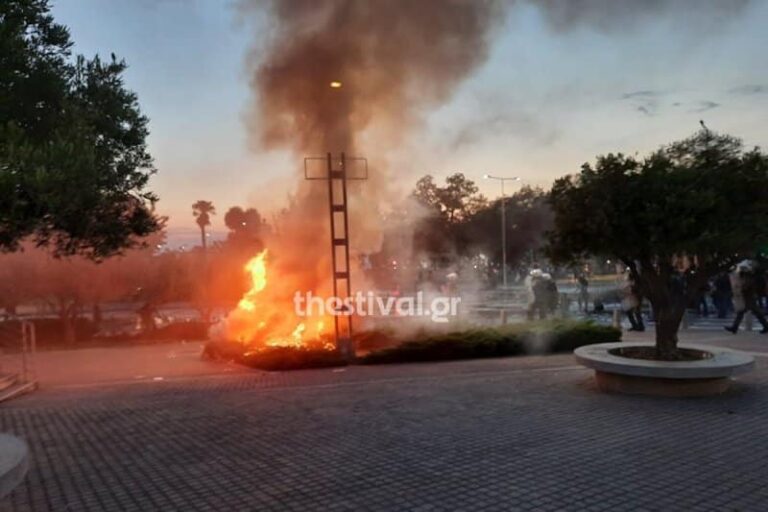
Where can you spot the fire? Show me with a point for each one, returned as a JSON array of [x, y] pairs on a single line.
[[263, 318], [257, 269]]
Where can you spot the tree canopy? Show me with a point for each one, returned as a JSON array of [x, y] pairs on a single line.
[[74, 164], [703, 200], [453, 202]]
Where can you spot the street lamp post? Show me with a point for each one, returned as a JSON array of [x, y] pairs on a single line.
[[503, 224]]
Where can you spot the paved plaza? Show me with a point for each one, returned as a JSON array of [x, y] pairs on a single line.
[[528, 433]]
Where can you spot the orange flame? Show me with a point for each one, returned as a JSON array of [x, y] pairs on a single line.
[[257, 269], [260, 321]]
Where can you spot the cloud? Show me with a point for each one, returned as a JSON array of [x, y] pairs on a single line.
[[641, 94], [645, 101], [616, 16], [494, 124], [645, 110], [706, 105], [749, 89]]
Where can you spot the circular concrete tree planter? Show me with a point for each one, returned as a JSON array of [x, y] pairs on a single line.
[[702, 377], [14, 462]]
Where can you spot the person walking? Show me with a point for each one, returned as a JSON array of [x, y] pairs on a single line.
[[583, 295], [744, 284], [551, 294], [537, 293], [631, 304]]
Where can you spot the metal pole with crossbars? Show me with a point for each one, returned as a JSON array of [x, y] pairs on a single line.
[[337, 178]]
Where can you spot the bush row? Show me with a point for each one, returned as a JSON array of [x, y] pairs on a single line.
[[529, 338], [471, 343]]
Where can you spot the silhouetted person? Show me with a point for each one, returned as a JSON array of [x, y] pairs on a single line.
[[760, 285], [538, 295], [703, 304], [631, 303], [721, 295], [745, 283], [583, 296], [551, 294]]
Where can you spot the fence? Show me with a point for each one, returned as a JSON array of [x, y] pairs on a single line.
[[18, 347]]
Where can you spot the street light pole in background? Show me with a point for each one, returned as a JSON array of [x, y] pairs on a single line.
[[503, 224]]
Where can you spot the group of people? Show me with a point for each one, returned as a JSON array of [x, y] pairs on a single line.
[[742, 290], [543, 296]]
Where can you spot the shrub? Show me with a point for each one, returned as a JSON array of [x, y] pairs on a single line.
[[513, 340], [375, 339], [569, 337], [468, 343], [292, 358]]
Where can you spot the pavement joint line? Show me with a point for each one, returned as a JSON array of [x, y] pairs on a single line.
[[171, 380]]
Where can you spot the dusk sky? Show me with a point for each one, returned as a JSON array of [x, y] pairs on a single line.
[[550, 96]]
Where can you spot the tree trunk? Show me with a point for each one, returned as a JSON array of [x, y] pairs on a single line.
[[667, 324], [202, 237]]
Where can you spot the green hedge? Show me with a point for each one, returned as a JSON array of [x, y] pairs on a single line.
[[528, 338], [569, 337], [470, 343]]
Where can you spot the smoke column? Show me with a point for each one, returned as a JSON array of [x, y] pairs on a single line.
[[395, 59]]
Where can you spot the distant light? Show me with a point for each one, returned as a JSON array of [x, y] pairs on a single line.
[[335, 84], [486, 176]]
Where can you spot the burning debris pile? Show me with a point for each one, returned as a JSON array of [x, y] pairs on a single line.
[[352, 76]]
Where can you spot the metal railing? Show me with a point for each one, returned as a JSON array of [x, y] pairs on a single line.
[[18, 349]]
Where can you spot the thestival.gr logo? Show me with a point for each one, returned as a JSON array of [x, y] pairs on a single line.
[[438, 309]]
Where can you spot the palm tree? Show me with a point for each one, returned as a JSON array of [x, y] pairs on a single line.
[[202, 210]]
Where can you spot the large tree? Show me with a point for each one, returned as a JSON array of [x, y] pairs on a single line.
[[246, 228], [73, 158], [528, 218], [702, 200], [453, 202], [444, 209]]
